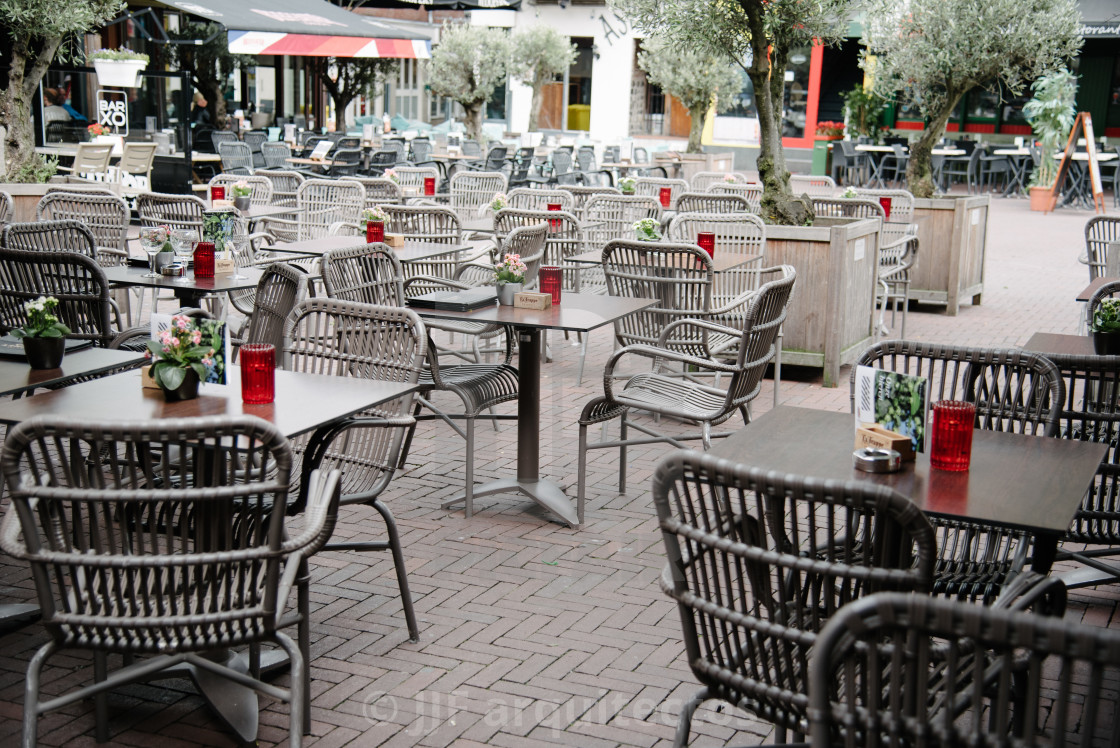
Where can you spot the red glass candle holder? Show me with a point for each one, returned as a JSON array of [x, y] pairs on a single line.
[[554, 223], [951, 443], [375, 231], [886, 203], [706, 240], [666, 195], [550, 281], [217, 192], [258, 373], [204, 260], [429, 185]]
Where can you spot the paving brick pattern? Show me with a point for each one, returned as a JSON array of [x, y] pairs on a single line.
[[533, 633]]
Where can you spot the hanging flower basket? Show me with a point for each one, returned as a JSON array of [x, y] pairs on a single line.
[[122, 73]]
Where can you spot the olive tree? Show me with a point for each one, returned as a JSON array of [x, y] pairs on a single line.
[[939, 50], [345, 78], [35, 32], [466, 66], [540, 53], [697, 78], [759, 35]]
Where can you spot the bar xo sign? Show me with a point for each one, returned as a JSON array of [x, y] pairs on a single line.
[[112, 111]]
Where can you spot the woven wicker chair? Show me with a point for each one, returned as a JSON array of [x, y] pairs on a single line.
[[91, 161], [237, 158], [412, 177], [470, 190], [7, 208], [524, 198], [50, 236], [889, 669], [261, 186], [1091, 412], [702, 181], [256, 139], [372, 275], [426, 223], [346, 339], [75, 279], [135, 554], [848, 207], [611, 217], [752, 192], [651, 187], [758, 563], [583, 194], [1014, 391], [285, 185], [1100, 231], [106, 217], [712, 202], [381, 191], [812, 186], [322, 204], [276, 155], [280, 288], [902, 202], [661, 391], [174, 211]]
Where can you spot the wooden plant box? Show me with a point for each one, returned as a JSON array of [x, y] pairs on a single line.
[[831, 314], [952, 244]]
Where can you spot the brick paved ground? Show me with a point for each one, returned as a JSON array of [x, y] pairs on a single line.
[[533, 633]]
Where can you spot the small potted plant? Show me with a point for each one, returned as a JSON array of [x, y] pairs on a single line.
[[44, 336], [391, 174], [849, 193], [118, 67], [509, 274], [242, 195], [498, 202], [830, 130], [184, 356], [648, 230], [626, 185], [375, 219], [730, 179], [1105, 327]]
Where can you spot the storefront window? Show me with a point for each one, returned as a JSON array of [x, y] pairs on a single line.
[[983, 104], [797, 93]]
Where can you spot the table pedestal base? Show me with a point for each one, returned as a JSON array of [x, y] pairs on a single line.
[[546, 493]]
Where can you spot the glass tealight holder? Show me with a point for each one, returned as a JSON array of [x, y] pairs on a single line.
[[258, 373]]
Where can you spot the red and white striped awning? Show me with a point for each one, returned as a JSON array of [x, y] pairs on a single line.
[[307, 28], [313, 45]]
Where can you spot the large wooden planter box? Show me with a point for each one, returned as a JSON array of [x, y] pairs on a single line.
[[831, 315], [26, 197], [698, 162], [952, 237]]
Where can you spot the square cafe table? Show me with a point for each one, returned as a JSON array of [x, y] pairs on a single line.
[[575, 313], [1023, 482], [304, 402], [189, 293]]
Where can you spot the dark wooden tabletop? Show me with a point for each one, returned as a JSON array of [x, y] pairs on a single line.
[[1024, 482], [1063, 345], [1089, 290], [261, 211], [303, 401], [575, 312], [16, 376], [134, 276]]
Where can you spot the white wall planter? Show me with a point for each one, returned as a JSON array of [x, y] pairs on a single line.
[[122, 73]]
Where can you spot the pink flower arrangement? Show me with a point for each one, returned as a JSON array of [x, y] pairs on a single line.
[[510, 270], [184, 345]]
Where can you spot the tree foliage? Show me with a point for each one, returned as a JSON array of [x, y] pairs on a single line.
[[353, 77], [209, 63], [939, 50], [35, 33], [467, 65], [696, 78], [759, 35], [540, 53]]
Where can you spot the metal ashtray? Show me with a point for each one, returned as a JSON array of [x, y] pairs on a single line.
[[175, 269], [874, 460]]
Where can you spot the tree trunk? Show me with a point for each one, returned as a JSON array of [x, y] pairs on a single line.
[[340, 112], [27, 70], [696, 129], [473, 120], [535, 106], [919, 174], [779, 206]]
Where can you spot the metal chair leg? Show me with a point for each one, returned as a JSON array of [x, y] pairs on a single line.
[[398, 563]]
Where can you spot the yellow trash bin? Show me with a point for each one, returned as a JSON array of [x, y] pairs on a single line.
[[579, 116]]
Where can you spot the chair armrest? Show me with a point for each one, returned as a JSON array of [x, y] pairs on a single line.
[[657, 355], [708, 325], [433, 280]]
